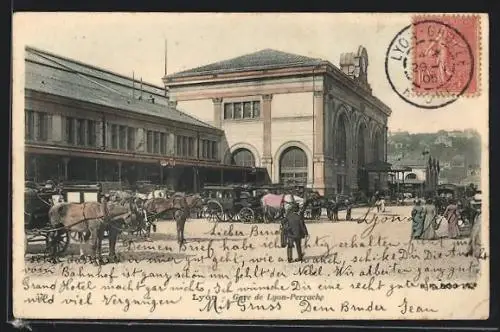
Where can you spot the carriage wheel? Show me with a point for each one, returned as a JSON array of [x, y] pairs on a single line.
[[231, 216], [205, 213], [246, 215], [57, 241], [216, 211]]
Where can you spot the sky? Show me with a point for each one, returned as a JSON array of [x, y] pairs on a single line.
[[135, 43]]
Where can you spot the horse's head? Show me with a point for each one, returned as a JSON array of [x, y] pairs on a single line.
[[195, 201], [57, 213]]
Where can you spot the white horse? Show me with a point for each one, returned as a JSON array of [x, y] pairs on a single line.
[[273, 204]]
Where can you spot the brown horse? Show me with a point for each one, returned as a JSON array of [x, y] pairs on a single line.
[[179, 204], [193, 202], [127, 214], [89, 218]]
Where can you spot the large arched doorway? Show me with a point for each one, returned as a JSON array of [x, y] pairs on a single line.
[[293, 166], [362, 174], [341, 152], [378, 155], [243, 157]]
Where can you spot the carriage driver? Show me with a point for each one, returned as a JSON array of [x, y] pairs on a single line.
[[295, 230]]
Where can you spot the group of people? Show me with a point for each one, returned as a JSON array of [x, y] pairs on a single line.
[[428, 225]]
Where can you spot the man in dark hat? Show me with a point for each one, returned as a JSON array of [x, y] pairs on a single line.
[[296, 230]]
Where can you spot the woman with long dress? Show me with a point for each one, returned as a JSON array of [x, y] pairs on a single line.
[[417, 215], [429, 233], [452, 215]]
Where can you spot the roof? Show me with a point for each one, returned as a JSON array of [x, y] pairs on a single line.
[[378, 166], [53, 74], [413, 163], [263, 59]]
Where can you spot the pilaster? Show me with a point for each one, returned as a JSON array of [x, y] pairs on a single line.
[[267, 159], [217, 112], [171, 144], [267, 162], [319, 123], [57, 128], [266, 115], [319, 174], [140, 142]]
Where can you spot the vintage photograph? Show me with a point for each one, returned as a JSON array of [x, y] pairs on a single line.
[[250, 166]]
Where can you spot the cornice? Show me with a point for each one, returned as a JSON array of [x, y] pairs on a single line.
[[325, 68]]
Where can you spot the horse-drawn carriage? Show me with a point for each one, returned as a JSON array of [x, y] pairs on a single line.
[[37, 228], [335, 203], [228, 203], [38, 200]]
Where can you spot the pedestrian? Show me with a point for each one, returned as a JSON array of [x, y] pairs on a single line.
[[429, 232], [452, 215], [377, 200], [382, 202], [348, 205], [335, 210], [417, 216], [295, 229]]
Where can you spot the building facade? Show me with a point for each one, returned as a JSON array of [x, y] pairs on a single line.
[[84, 123], [303, 119]]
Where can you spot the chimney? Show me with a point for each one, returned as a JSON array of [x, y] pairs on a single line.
[[347, 64]]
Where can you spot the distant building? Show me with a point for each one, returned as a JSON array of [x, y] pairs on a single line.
[[423, 174], [445, 140]]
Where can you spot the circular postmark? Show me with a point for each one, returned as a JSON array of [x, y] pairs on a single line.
[[429, 64]]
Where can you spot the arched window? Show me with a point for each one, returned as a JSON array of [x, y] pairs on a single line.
[[243, 157], [341, 139], [293, 166], [411, 176], [361, 145]]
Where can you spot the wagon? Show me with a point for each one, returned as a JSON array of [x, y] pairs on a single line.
[[227, 203], [37, 227], [337, 202], [82, 192]]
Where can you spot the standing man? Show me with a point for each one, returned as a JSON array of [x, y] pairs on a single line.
[[295, 230], [348, 204], [335, 209]]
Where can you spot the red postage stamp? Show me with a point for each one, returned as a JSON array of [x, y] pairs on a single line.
[[446, 55]]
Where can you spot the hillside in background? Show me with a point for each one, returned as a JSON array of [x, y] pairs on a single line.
[[458, 152]]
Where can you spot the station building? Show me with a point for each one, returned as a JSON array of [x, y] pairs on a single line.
[[84, 123], [302, 119]]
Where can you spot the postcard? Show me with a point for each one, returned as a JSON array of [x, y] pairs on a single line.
[[250, 166]]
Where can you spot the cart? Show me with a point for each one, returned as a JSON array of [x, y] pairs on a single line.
[[37, 227]]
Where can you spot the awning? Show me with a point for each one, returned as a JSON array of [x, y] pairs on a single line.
[[378, 167], [396, 168]]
